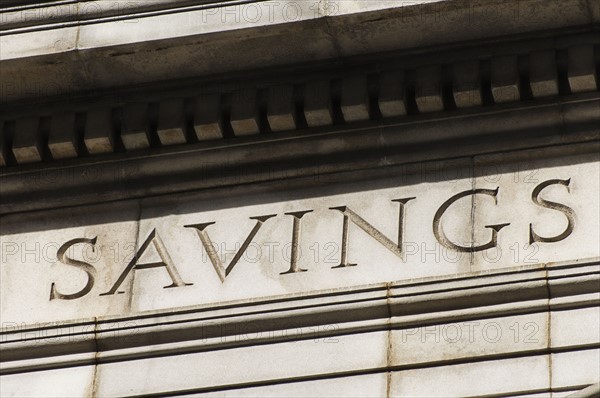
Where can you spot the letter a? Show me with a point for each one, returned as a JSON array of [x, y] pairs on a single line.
[[166, 262]]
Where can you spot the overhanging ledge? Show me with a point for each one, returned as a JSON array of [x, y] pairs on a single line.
[[88, 54]]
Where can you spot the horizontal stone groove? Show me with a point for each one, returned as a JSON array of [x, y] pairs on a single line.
[[69, 356], [397, 368], [359, 99], [512, 394], [38, 15], [379, 370], [185, 333]]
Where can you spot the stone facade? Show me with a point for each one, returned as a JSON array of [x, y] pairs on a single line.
[[300, 199]]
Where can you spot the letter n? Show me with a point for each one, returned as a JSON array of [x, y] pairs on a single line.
[[350, 216]]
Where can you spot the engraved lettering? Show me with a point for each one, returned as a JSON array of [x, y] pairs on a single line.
[[567, 211], [85, 267], [166, 262], [349, 215], [223, 272], [294, 268], [438, 231]]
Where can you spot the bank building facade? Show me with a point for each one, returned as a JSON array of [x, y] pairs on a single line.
[[300, 198]]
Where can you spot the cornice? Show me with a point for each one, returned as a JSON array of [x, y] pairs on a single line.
[[385, 110], [108, 52], [566, 127], [438, 84]]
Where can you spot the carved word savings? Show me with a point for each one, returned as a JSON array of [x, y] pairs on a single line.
[[349, 217]]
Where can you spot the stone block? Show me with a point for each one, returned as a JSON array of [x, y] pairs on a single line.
[[71, 382], [63, 140], [392, 94], [244, 113], [582, 69], [543, 77], [509, 377], [281, 108], [458, 340], [575, 368], [27, 141], [207, 117], [505, 79], [99, 131], [355, 99], [317, 103], [135, 127], [575, 327], [466, 84], [246, 365], [428, 90], [171, 122]]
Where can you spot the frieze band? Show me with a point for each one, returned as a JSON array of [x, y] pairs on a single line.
[[349, 217]]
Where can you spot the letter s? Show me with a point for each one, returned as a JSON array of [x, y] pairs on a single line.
[[566, 210], [87, 268]]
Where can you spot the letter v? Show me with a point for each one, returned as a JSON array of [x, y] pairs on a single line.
[[212, 253]]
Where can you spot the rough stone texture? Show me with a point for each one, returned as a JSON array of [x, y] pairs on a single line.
[[355, 99], [171, 122], [99, 131], [582, 69], [134, 127], [392, 94], [207, 117], [281, 109], [317, 103], [27, 146], [429, 89], [542, 73], [63, 137], [505, 79], [467, 88]]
